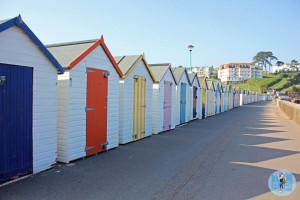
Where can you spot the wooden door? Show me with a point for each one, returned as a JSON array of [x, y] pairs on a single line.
[[16, 111], [195, 89], [167, 105], [182, 102], [139, 107], [204, 103], [96, 111]]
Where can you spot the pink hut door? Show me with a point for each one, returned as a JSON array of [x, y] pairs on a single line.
[[167, 105]]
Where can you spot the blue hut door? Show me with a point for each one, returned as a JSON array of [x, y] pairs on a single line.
[[15, 121], [182, 102]]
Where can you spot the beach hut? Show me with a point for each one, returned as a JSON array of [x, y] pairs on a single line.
[[217, 96], [88, 94], [196, 99], [220, 95], [231, 97], [183, 95], [211, 96], [235, 98], [136, 89], [27, 101], [238, 97], [164, 98], [225, 98], [245, 96], [242, 97], [204, 99]]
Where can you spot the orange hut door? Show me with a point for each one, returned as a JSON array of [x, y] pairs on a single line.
[[96, 111]]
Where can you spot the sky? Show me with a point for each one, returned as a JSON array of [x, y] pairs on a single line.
[[222, 31]]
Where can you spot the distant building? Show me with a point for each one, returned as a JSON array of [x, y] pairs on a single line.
[[284, 67], [237, 72], [204, 71]]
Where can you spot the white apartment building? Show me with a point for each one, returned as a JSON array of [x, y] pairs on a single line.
[[203, 71], [237, 72]]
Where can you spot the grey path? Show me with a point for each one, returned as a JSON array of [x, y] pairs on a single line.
[[217, 158]]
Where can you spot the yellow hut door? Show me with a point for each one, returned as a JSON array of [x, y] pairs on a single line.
[[139, 107]]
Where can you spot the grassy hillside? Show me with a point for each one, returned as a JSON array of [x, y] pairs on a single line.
[[280, 81]]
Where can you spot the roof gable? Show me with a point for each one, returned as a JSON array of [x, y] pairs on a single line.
[[210, 85], [217, 85], [202, 81], [193, 77], [18, 22], [179, 72], [160, 70], [70, 54], [128, 63]]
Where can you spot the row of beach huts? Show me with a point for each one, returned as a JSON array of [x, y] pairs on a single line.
[[62, 102]]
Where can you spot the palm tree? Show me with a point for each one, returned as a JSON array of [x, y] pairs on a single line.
[[264, 59]]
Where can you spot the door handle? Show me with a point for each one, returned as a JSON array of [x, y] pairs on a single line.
[[89, 109], [89, 148]]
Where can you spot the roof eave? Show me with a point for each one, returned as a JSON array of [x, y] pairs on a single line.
[[99, 42], [17, 21]]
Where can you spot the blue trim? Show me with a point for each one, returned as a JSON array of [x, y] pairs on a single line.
[[17, 21]]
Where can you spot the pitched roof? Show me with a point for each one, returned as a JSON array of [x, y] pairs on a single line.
[[18, 22], [178, 73], [159, 71], [210, 85], [193, 77], [217, 85], [71, 53], [129, 62], [202, 81], [226, 88]]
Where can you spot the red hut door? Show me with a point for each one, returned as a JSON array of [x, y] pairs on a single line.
[[96, 111]]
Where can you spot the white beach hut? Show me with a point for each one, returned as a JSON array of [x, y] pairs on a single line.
[[28, 102], [88, 99], [195, 97], [164, 98], [136, 89], [183, 95], [211, 96], [204, 99]]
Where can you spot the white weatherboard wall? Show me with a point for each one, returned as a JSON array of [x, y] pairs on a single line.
[[17, 49], [242, 99], [126, 104], [72, 103], [212, 102], [184, 79], [231, 100], [158, 104]]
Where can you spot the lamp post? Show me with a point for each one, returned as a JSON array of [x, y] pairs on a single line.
[[190, 47]]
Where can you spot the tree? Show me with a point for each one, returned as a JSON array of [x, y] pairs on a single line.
[[279, 63], [264, 59], [294, 65]]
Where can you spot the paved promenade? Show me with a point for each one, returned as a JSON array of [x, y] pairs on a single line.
[[228, 156]]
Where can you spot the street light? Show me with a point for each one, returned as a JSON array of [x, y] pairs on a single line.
[[190, 47]]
